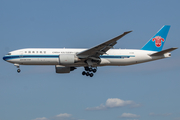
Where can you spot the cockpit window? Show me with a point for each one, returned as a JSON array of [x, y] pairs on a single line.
[[9, 54]]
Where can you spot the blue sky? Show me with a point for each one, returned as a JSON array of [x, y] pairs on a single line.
[[139, 92]]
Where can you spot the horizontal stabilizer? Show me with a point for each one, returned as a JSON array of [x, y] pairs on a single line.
[[163, 52]]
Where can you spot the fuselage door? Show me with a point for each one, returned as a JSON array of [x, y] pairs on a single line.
[[21, 54]]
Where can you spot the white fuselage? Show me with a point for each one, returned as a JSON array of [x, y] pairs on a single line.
[[113, 57]]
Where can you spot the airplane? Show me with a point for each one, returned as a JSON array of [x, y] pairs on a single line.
[[67, 60]]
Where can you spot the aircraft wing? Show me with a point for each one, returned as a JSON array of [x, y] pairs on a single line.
[[100, 49]]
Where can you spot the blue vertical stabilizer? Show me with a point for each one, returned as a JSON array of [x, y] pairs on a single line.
[[156, 43]]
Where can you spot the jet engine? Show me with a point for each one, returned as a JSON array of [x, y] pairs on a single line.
[[67, 59], [64, 69]]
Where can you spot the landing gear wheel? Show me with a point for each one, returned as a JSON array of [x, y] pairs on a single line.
[[94, 70], [86, 68], [87, 74], [90, 69], [18, 70], [91, 74], [83, 73]]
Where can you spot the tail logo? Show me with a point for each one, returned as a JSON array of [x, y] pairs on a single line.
[[158, 40]]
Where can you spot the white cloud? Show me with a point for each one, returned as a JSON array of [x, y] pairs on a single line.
[[101, 107], [114, 102], [64, 115], [43, 118], [129, 115], [155, 114], [61, 116]]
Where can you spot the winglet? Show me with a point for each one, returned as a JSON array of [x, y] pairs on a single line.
[[128, 32]]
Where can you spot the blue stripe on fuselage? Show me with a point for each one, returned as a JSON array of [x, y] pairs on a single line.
[[116, 56], [9, 57]]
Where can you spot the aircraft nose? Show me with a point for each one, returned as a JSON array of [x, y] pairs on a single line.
[[4, 58]]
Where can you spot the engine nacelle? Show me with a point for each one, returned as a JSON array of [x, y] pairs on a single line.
[[64, 69], [67, 59]]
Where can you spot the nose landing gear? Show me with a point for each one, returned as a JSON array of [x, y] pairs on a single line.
[[89, 71], [18, 70]]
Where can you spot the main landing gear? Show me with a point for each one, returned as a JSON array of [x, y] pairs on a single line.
[[89, 71]]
